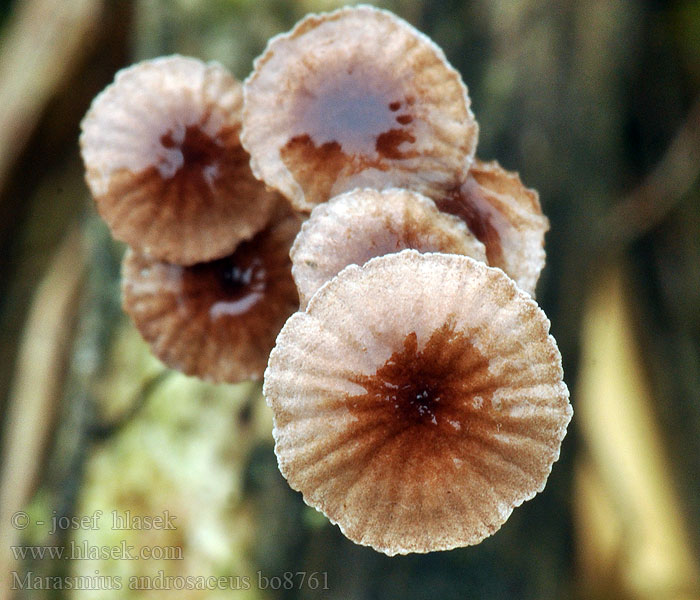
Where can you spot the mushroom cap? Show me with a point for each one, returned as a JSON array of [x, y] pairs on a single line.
[[165, 165], [359, 225], [417, 401], [217, 320], [356, 98], [506, 216]]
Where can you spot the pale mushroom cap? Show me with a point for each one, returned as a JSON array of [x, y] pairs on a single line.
[[506, 216], [165, 165], [356, 98], [216, 320], [417, 401], [362, 224]]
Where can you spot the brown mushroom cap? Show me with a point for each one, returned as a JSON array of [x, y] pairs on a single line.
[[506, 216], [165, 165], [356, 98], [417, 401], [216, 320], [359, 225]]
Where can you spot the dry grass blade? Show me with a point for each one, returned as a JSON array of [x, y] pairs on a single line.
[[37, 386], [41, 48], [632, 536]]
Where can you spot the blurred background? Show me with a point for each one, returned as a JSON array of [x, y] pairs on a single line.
[[595, 102]]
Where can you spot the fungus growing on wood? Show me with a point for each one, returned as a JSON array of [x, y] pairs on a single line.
[[506, 216], [356, 98], [217, 320], [417, 401], [359, 225], [165, 165]]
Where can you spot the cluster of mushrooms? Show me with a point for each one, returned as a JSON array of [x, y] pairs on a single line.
[[326, 224]]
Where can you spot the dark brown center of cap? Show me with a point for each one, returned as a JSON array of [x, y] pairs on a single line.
[[421, 400], [351, 119], [405, 383], [235, 285], [353, 113], [191, 156], [231, 286], [236, 278]]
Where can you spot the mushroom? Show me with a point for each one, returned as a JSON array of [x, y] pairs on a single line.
[[165, 165], [217, 320], [417, 401], [506, 216], [359, 225], [356, 98]]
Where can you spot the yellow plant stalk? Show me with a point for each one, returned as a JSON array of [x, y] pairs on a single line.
[[632, 537]]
